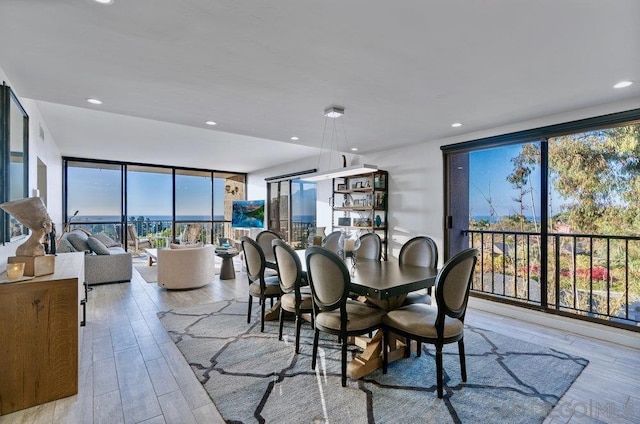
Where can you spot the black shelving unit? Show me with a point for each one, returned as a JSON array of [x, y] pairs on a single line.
[[360, 202]]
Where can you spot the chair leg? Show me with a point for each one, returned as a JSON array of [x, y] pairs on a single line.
[[262, 311], [463, 365], [439, 368], [385, 350], [298, 325], [344, 361], [418, 348], [249, 310], [316, 333], [407, 347], [281, 322]]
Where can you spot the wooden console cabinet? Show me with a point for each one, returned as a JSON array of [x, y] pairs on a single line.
[[40, 336]]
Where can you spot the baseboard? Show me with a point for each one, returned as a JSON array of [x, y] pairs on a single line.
[[583, 328]]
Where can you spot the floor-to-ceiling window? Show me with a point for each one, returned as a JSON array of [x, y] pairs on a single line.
[[162, 203], [555, 215], [93, 197], [149, 204]]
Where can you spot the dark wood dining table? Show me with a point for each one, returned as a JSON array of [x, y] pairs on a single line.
[[385, 284]]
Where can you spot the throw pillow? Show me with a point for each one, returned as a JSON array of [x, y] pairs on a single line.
[[65, 247], [106, 240], [78, 240], [97, 246]]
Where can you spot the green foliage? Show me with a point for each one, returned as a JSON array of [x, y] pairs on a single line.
[[597, 173]]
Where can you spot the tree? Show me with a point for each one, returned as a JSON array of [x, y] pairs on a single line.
[[523, 165], [597, 174]]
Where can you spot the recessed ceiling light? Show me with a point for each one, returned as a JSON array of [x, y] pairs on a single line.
[[104, 1], [456, 125], [211, 123], [354, 149], [623, 84], [94, 101], [294, 138]]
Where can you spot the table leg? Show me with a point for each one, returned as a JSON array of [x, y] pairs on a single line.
[[273, 314], [371, 358]]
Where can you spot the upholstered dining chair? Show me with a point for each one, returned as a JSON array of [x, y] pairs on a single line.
[[293, 299], [259, 286], [419, 251], [333, 311], [331, 242], [370, 247], [438, 324], [264, 239]]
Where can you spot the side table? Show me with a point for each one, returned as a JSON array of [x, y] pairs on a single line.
[[227, 271]]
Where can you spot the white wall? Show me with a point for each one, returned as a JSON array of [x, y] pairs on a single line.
[[47, 151]]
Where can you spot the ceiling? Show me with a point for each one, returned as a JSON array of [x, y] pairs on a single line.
[[265, 70]]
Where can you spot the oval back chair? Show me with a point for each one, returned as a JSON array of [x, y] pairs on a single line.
[[259, 286]]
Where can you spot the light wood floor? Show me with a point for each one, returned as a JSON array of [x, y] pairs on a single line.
[[131, 372]]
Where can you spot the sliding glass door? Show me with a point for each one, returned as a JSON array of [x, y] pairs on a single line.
[[555, 214]]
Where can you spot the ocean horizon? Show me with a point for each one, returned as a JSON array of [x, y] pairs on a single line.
[[115, 219]]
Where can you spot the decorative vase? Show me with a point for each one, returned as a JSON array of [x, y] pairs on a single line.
[[378, 220], [316, 235], [349, 242]]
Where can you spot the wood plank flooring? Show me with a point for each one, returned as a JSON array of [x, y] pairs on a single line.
[[131, 372]]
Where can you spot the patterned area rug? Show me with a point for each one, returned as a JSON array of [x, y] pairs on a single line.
[[252, 377]]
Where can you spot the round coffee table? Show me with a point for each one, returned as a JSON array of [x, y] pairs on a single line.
[[227, 271]]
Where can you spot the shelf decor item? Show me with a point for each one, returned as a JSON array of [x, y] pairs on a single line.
[[344, 221], [378, 220]]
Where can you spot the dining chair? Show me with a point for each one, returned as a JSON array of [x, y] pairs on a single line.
[[418, 251], [441, 323], [264, 239], [333, 311], [259, 286], [370, 247], [330, 242], [293, 299]]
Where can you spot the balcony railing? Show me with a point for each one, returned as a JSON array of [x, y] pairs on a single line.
[[159, 232], [589, 275]]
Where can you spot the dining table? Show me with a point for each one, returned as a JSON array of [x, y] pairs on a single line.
[[385, 284]]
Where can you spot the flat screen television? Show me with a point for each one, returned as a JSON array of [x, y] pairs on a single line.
[[247, 214]]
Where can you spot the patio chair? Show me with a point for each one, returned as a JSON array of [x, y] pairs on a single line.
[[136, 242]]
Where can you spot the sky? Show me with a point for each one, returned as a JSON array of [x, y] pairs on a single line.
[[488, 171], [97, 192]]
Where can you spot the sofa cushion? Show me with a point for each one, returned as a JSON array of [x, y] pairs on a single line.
[[65, 247], [97, 246], [106, 240], [78, 240]]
